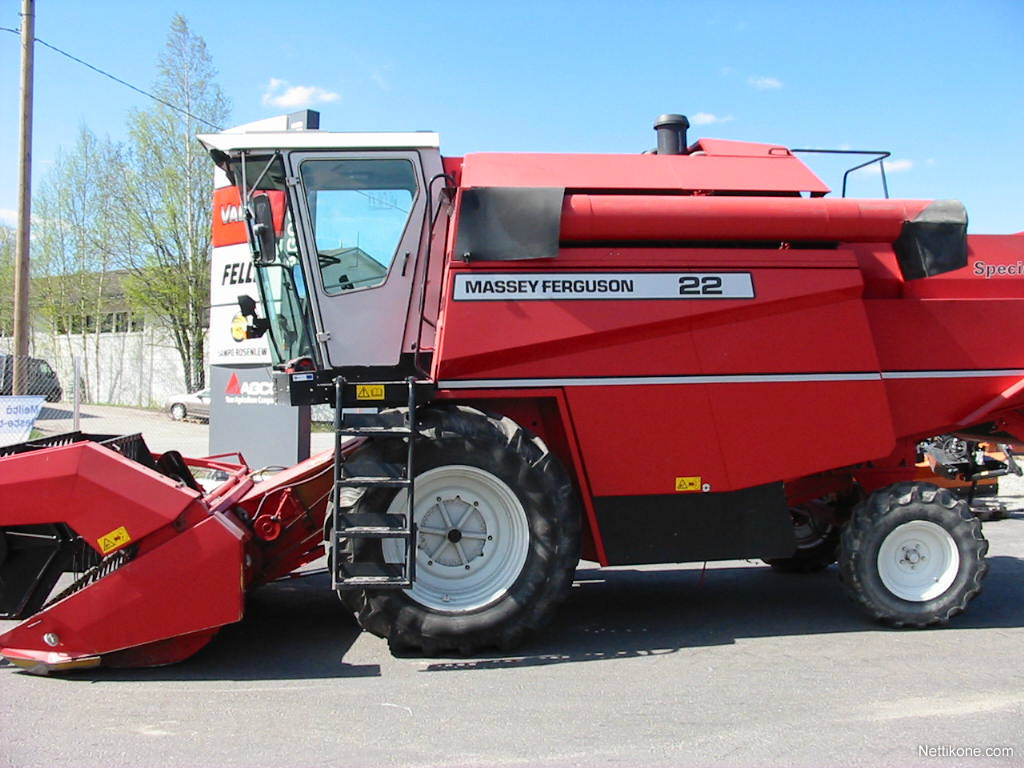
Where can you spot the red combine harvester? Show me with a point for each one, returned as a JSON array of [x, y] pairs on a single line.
[[685, 355]]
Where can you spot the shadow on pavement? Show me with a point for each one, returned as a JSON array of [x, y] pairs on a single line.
[[614, 614], [292, 630], [297, 629], [60, 413]]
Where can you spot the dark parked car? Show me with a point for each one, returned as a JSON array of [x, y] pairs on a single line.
[[42, 379]]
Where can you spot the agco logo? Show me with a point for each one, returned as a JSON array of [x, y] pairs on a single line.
[[248, 392], [229, 214]]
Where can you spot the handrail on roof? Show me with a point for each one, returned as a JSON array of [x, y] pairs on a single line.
[[879, 158]]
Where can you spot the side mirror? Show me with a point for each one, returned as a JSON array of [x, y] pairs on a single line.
[[255, 326], [263, 230]]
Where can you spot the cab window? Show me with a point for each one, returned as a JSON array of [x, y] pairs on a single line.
[[359, 210]]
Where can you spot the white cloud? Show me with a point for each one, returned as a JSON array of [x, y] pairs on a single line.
[[8, 216], [764, 83], [706, 118], [279, 93]]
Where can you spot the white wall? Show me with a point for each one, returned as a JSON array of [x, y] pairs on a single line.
[[136, 368]]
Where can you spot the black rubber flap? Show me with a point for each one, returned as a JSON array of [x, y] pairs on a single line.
[[509, 223], [935, 242]]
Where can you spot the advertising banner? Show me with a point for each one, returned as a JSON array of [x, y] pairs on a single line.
[[232, 274], [17, 416]]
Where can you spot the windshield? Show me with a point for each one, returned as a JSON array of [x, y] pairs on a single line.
[[359, 210], [282, 283]]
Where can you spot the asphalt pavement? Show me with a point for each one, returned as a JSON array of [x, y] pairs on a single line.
[[161, 432], [735, 665]]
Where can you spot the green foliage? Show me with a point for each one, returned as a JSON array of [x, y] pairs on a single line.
[[134, 217], [73, 253], [7, 242], [165, 198]]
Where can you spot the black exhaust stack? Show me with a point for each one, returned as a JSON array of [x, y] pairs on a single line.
[[671, 131]]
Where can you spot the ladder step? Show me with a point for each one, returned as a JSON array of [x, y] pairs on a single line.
[[354, 526], [357, 582], [371, 525], [390, 419], [370, 532], [373, 482], [372, 575], [374, 431]]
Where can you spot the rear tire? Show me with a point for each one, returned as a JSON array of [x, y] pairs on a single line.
[[913, 555], [498, 537], [178, 412]]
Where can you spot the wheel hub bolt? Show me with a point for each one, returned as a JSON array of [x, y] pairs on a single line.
[[912, 556]]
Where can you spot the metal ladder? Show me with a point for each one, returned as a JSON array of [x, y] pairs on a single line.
[[351, 527]]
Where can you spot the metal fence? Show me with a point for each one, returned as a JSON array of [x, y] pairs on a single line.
[[37, 377], [66, 408], [65, 413]]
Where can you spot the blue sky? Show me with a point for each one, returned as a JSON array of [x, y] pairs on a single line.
[[939, 84]]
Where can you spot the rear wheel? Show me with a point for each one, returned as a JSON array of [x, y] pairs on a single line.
[[497, 544], [178, 412], [913, 555]]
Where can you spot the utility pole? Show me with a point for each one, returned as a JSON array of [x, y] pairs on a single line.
[[21, 268]]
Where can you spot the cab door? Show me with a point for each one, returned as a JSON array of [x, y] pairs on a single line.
[[361, 216]]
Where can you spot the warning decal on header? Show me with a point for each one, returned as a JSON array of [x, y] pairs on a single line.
[[116, 539]]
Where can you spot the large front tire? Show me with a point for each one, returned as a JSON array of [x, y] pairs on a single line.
[[913, 555], [498, 537]]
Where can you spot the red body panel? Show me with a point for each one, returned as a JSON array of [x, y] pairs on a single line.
[[823, 368], [740, 372], [101, 490], [733, 167], [948, 335]]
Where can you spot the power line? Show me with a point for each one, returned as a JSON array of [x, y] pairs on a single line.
[[119, 80]]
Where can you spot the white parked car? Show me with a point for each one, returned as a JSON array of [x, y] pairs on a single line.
[[193, 406]]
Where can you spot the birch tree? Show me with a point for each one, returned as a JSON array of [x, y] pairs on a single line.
[[7, 239], [165, 197], [75, 249]]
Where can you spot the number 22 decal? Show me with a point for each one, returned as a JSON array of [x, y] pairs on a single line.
[[708, 285]]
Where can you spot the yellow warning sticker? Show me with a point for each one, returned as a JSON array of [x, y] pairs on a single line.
[[686, 484], [116, 539], [370, 392]]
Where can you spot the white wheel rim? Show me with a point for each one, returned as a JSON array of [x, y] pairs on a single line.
[[918, 561], [472, 542]]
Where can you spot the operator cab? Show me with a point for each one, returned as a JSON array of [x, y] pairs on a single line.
[[339, 227]]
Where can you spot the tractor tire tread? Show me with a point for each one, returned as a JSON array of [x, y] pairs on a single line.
[[885, 509], [540, 480]]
